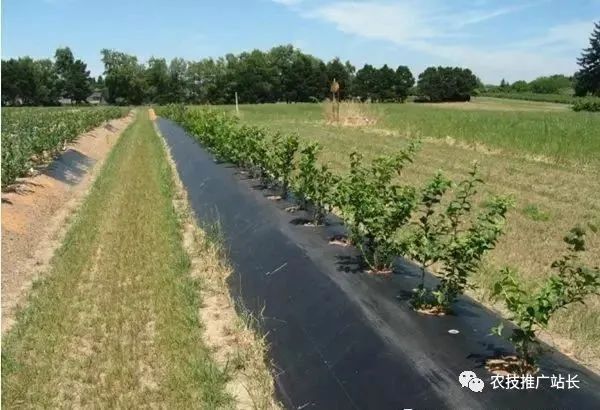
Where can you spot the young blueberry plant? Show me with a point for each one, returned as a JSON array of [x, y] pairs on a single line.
[[281, 164], [423, 242], [315, 185], [571, 283], [451, 238], [466, 250], [374, 208]]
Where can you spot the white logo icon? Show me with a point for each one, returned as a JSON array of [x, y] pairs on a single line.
[[476, 385], [469, 379]]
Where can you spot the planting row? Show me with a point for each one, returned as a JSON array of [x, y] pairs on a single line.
[[436, 224], [30, 136], [577, 103]]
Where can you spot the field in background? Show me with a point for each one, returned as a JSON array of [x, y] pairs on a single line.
[[544, 155], [541, 130], [529, 96]]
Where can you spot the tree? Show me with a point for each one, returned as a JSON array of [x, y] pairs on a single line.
[[157, 81], [281, 59], [124, 78], [29, 82], [307, 79], [520, 86], [11, 74], [74, 78], [178, 80], [587, 79], [364, 82], [447, 84], [207, 81], [553, 84], [403, 83], [47, 91], [385, 84]]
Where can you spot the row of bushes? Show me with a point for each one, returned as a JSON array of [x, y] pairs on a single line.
[[527, 96], [587, 104], [33, 135], [577, 103], [433, 224]]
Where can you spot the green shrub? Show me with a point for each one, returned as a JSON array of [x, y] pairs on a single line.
[[531, 312], [449, 238], [374, 208], [281, 164], [315, 185], [587, 104]]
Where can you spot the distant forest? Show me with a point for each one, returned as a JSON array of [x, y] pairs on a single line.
[[282, 74]]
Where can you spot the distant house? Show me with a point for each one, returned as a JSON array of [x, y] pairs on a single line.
[[96, 98]]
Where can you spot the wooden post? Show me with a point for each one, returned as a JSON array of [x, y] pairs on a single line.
[[237, 108], [335, 89]]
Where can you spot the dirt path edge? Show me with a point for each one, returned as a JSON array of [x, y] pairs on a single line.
[[36, 214]]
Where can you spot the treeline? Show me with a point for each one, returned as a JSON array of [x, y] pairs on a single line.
[[26, 81], [282, 74], [554, 84]]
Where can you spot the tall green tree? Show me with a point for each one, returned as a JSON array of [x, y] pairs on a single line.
[[281, 59], [587, 79], [124, 78], [447, 84], [207, 81], [178, 80], [365, 82], [74, 78], [26, 81], [157, 81], [404, 81], [11, 76], [385, 84]]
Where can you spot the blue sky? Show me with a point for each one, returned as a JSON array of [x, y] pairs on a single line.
[[496, 39]]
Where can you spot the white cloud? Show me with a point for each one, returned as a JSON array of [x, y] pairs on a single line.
[[438, 29]]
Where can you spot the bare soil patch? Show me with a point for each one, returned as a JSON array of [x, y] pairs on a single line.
[[36, 211]]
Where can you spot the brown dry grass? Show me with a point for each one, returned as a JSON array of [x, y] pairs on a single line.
[[351, 114], [498, 104]]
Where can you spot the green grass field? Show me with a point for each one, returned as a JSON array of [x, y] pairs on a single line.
[[545, 156], [520, 127]]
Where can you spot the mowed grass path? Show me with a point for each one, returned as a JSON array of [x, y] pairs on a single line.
[[552, 193], [114, 323]]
